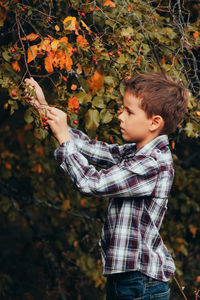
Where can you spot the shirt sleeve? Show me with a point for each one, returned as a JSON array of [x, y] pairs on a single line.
[[133, 177], [96, 152]]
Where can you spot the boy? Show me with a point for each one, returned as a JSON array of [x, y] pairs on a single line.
[[137, 177]]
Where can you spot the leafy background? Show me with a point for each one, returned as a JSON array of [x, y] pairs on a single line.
[[80, 52]]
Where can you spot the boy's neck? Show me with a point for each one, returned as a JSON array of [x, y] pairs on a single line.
[[146, 141]]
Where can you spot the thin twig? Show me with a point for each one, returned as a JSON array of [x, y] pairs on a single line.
[[180, 288]]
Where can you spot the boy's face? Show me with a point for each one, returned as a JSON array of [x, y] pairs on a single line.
[[134, 123]]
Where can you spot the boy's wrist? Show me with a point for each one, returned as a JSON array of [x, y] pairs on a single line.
[[64, 138]]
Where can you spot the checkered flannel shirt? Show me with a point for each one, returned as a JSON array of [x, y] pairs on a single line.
[[138, 183]]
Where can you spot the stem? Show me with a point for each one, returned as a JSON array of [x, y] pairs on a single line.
[[180, 288], [24, 52]]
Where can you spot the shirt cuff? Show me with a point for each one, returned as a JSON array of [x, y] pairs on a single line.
[[65, 149]]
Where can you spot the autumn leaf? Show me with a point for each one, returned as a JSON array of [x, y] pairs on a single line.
[[68, 63], [96, 81], [82, 41], [54, 45], [79, 69], [45, 45], [48, 62], [16, 66], [73, 102], [70, 23], [109, 3], [31, 37], [84, 25], [31, 53]]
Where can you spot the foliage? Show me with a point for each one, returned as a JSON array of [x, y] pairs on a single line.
[[80, 52]]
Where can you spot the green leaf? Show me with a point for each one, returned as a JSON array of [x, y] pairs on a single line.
[[106, 116], [127, 31], [28, 116], [6, 56], [98, 101], [109, 80], [92, 120], [83, 98]]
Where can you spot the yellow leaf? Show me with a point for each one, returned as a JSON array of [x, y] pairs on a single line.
[[31, 53], [48, 62], [109, 3], [70, 23], [16, 66], [45, 45], [96, 82], [84, 25], [54, 45], [82, 41]]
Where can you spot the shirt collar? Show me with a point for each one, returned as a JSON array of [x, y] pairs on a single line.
[[159, 142]]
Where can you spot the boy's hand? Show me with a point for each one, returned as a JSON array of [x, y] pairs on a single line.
[[39, 101], [57, 120]]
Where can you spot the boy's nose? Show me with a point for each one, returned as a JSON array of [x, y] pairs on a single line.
[[120, 116]]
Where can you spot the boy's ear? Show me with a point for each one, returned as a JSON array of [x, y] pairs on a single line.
[[157, 123]]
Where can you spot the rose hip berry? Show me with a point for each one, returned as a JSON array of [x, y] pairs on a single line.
[[75, 122]]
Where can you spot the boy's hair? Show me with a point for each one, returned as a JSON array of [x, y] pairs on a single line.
[[160, 95]]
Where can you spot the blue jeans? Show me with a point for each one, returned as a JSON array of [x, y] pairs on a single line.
[[135, 286]]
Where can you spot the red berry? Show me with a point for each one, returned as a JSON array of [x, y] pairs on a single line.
[[83, 14], [110, 54], [74, 50], [13, 50], [13, 94], [46, 127], [45, 124], [75, 122], [46, 118], [64, 79], [1, 3], [118, 52], [22, 9]]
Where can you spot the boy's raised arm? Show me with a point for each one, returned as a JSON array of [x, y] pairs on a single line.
[[129, 178], [97, 152]]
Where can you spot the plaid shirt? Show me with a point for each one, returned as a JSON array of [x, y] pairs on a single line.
[[138, 184]]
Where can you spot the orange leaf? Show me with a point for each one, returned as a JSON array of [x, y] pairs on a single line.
[[31, 53], [73, 102], [16, 66], [31, 37], [82, 41], [96, 81], [68, 63], [48, 62], [109, 3]]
